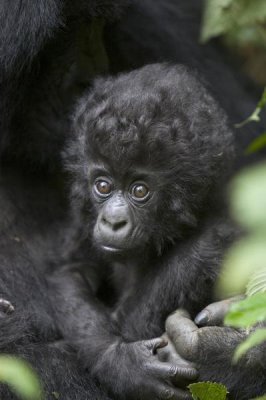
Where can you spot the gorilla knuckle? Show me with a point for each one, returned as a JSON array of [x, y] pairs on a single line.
[[166, 393]]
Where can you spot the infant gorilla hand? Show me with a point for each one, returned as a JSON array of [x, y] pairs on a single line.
[[134, 371]]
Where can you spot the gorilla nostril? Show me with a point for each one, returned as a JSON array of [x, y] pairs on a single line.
[[119, 225], [113, 225], [104, 221]]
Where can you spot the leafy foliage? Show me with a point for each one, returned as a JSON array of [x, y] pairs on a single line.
[[257, 283], [248, 198], [257, 144], [255, 116], [241, 20], [242, 262], [254, 339], [247, 312], [247, 258], [208, 391], [20, 377], [245, 264]]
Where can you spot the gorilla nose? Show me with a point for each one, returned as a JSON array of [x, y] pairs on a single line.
[[114, 224]]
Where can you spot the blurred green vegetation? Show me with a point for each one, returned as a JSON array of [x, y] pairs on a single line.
[[20, 377], [242, 26], [207, 391]]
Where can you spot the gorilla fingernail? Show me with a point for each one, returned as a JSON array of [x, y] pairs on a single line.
[[202, 318]]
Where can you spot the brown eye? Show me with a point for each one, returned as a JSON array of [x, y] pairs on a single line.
[[103, 187], [139, 191]]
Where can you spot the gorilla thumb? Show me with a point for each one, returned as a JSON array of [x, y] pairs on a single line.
[[184, 334]]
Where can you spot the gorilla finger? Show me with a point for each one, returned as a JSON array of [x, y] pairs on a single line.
[[213, 314], [171, 371], [214, 339], [169, 354], [6, 307], [155, 344], [170, 393], [184, 334]]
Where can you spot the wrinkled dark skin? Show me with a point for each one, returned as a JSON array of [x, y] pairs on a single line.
[[187, 337], [210, 346]]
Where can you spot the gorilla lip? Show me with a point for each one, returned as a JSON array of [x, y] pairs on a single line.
[[112, 249]]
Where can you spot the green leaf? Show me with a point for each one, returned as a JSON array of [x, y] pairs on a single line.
[[208, 391], [243, 261], [230, 17], [214, 22], [255, 116], [254, 339], [262, 102], [248, 197], [20, 377], [260, 398], [257, 144], [247, 312], [257, 283]]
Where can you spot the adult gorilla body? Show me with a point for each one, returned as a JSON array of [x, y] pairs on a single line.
[[39, 40], [42, 74], [37, 37], [29, 242]]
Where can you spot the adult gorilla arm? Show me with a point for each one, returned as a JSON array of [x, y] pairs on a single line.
[[28, 27], [25, 27], [212, 348]]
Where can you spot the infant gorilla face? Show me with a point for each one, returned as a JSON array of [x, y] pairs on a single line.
[[150, 147], [125, 204]]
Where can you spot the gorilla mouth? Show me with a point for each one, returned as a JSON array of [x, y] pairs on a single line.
[[112, 249]]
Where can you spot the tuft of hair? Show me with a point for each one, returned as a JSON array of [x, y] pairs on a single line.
[[160, 116]]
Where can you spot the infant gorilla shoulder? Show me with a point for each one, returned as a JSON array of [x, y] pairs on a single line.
[[149, 150]]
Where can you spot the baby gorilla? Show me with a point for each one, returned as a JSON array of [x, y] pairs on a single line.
[[150, 149]]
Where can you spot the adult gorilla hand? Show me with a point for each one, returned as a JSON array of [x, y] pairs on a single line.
[[184, 336], [213, 314], [211, 348], [194, 343]]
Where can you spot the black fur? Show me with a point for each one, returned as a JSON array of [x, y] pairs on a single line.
[[41, 73], [38, 38], [42, 68], [31, 241], [159, 125], [169, 31]]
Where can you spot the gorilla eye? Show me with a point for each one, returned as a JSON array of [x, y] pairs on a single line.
[[103, 187], [139, 191]]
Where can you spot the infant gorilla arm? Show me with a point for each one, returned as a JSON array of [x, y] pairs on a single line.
[[149, 150]]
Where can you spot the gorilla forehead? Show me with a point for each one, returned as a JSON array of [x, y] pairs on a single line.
[[160, 115]]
